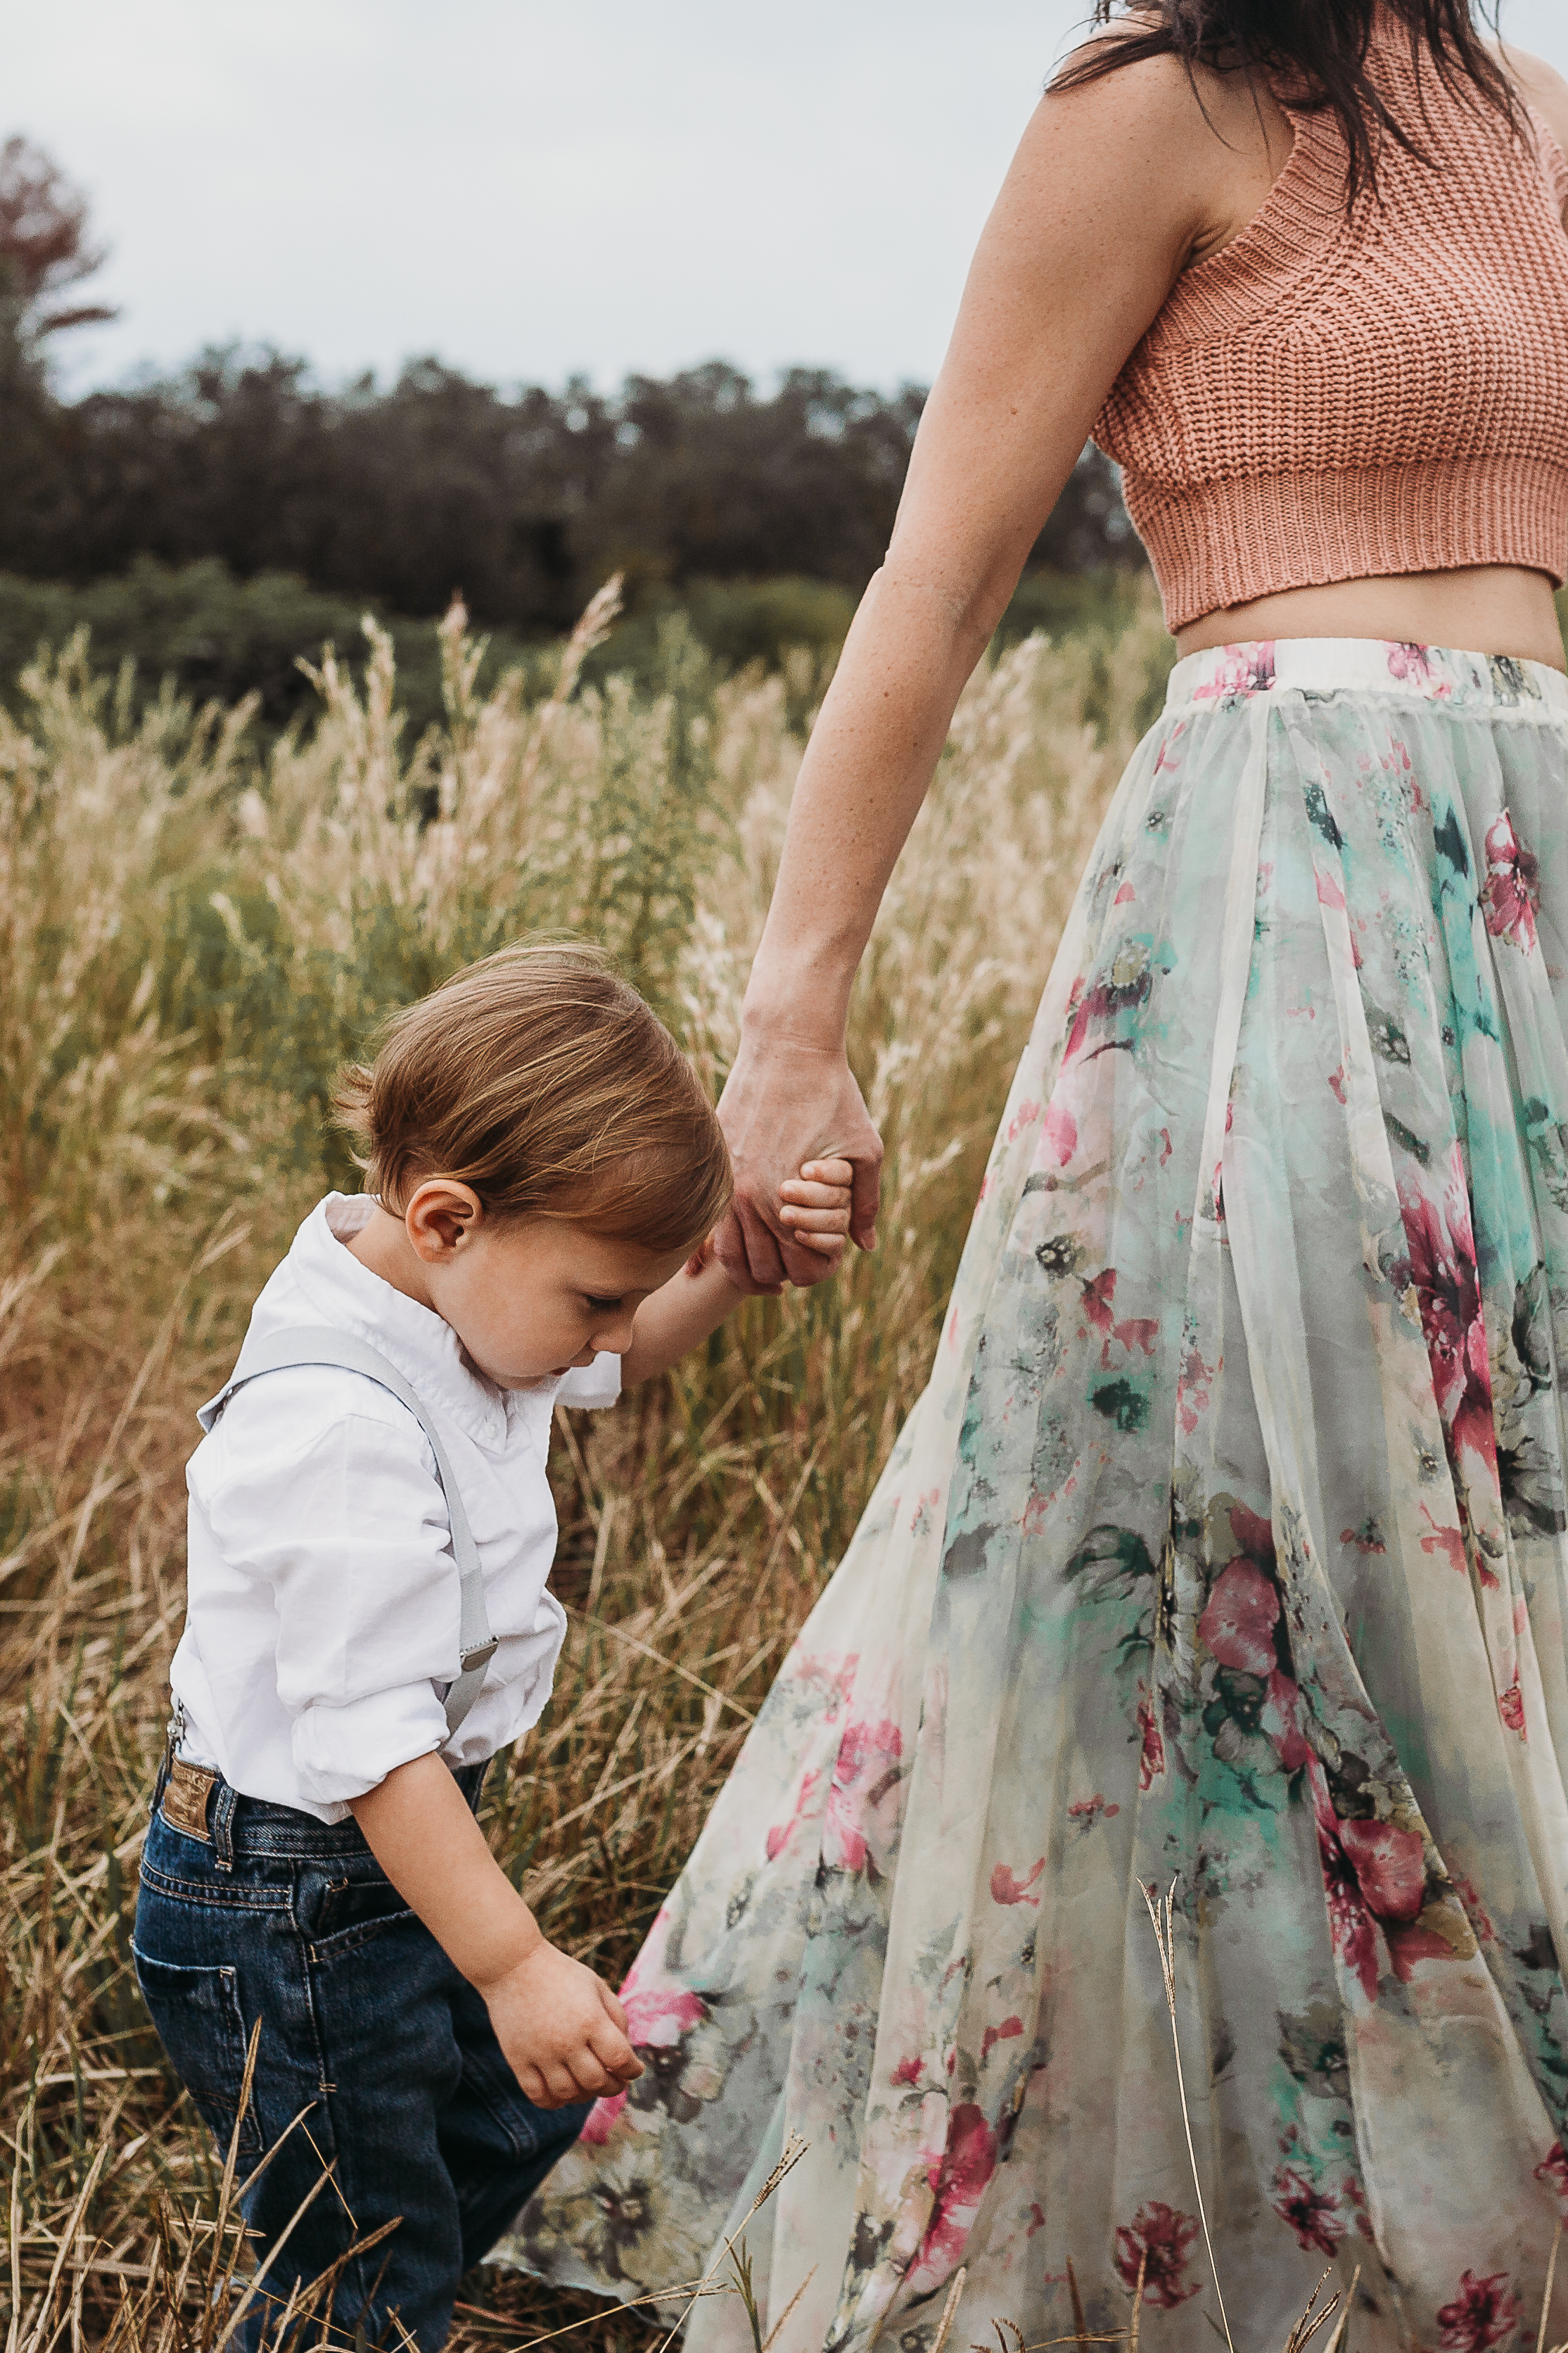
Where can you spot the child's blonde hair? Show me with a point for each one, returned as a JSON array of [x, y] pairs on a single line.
[[539, 1079]]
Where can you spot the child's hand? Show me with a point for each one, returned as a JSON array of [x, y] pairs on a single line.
[[561, 2029], [815, 1205]]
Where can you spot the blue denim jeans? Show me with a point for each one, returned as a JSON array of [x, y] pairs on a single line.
[[367, 2032]]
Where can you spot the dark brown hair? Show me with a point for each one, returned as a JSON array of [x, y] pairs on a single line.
[[1314, 51], [539, 1079]]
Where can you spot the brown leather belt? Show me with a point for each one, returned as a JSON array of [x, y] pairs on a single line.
[[186, 1796]]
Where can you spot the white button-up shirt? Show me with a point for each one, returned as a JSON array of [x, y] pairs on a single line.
[[321, 1617]]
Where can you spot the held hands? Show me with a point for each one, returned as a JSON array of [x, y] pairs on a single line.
[[789, 1104], [815, 1207], [679, 1316], [561, 2029]]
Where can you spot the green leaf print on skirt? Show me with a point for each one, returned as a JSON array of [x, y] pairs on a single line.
[[1225, 1545]]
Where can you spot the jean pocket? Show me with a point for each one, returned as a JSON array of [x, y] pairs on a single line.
[[341, 1915], [196, 2012]]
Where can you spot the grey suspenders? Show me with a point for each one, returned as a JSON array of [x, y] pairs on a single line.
[[319, 1344]]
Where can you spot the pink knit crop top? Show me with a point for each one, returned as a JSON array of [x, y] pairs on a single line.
[[1333, 397]]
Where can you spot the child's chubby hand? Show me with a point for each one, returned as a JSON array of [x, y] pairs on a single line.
[[561, 2029], [815, 1205]]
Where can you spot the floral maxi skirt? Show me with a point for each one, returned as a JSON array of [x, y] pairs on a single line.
[[1225, 1550]]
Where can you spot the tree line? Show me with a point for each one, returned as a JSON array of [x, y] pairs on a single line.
[[525, 501], [213, 526]]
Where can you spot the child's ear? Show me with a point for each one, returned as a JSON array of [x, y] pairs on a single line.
[[441, 1216]]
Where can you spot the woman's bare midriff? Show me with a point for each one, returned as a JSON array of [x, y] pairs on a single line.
[[1493, 610]]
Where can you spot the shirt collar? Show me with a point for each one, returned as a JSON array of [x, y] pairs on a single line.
[[424, 1348]]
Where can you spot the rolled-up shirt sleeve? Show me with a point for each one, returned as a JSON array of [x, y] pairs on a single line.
[[339, 1513]]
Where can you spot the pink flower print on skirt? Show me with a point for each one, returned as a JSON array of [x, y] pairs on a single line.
[[1228, 1548]]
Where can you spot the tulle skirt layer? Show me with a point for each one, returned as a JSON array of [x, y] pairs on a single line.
[[1226, 1549]]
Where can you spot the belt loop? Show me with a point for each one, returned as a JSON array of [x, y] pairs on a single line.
[[223, 1826], [171, 1740]]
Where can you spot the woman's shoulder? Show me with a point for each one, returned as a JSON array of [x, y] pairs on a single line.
[[1163, 88], [1541, 86], [1540, 83], [1210, 143]]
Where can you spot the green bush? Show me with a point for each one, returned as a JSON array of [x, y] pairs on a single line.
[[1064, 604], [737, 622], [219, 638]]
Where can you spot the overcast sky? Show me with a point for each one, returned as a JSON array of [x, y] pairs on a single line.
[[530, 189]]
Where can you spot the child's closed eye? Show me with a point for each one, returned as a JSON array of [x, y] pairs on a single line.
[[816, 1204]]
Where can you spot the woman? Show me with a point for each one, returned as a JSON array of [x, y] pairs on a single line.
[[1227, 1545]]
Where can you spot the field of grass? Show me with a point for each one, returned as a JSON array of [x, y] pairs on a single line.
[[191, 938]]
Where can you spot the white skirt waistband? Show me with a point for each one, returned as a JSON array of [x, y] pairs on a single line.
[[1318, 665]]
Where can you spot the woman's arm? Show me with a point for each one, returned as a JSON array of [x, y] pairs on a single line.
[[1112, 189]]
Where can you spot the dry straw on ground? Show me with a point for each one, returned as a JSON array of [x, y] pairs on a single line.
[[188, 944]]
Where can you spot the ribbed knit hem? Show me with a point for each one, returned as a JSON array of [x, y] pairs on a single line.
[[1215, 544]]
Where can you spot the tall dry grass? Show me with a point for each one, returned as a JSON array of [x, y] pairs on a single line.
[[189, 943]]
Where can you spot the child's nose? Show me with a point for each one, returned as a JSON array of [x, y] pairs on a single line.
[[613, 1336]]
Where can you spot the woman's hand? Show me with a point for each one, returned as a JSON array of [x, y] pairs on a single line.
[[787, 1102]]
